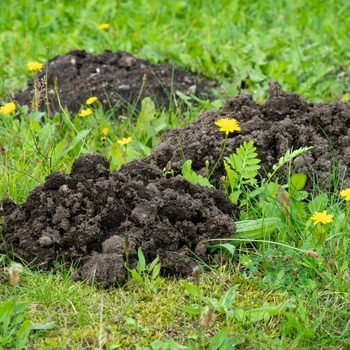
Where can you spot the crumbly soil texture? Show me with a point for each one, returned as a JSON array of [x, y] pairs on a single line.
[[98, 219], [120, 81], [285, 121]]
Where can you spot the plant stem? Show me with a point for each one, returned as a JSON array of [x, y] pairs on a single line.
[[47, 82], [220, 157]]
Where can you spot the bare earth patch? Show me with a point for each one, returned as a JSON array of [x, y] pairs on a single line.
[[119, 79]]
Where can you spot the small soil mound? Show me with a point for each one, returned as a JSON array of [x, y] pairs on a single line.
[[118, 79], [98, 217], [285, 121]]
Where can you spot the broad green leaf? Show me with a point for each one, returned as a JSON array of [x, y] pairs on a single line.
[[253, 315], [223, 341], [229, 297], [153, 263], [192, 177], [156, 271], [234, 196], [318, 203], [228, 247], [297, 183], [142, 261], [256, 229], [218, 339], [43, 326], [22, 335], [136, 276], [193, 289]]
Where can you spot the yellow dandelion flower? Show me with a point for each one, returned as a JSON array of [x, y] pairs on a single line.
[[228, 125], [35, 66], [346, 194], [105, 131], [85, 112], [91, 100], [8, 108], [104, 26], [124, 140], [322, 217]]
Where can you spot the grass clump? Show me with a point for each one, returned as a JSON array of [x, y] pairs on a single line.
[[273, 298]]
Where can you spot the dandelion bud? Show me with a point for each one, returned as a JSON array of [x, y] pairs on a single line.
[[14, 270], [208, 318], [197, 275], [312, 254]]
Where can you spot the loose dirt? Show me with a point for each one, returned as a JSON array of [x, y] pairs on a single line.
[[98, 218], [285, 121], [120, 80]]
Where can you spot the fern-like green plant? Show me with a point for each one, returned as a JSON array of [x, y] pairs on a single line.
[[241, 170]]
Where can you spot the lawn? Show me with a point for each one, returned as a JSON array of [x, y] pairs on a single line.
[[284, 288]]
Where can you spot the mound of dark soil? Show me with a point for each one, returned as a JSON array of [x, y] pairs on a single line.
[[118, 79], [94, 215], [100, 217], [285, 121]]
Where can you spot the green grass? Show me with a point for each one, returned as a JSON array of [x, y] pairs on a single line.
[[303, 45], [34, 145], [290, 295], [282, 300]]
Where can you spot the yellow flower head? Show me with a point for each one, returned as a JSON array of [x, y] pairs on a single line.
[[91, 100], [105, 131], [8, 108], [104, 26], [124, 140], [322, 217], [85, 112], [35, 66], [346, 194], [228, 125]]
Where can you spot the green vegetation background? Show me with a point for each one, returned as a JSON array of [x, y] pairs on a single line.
[[303, 44], [286, 299]]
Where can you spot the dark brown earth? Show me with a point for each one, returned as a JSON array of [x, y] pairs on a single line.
[[119, 80], [89, 214], [285, 121]]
